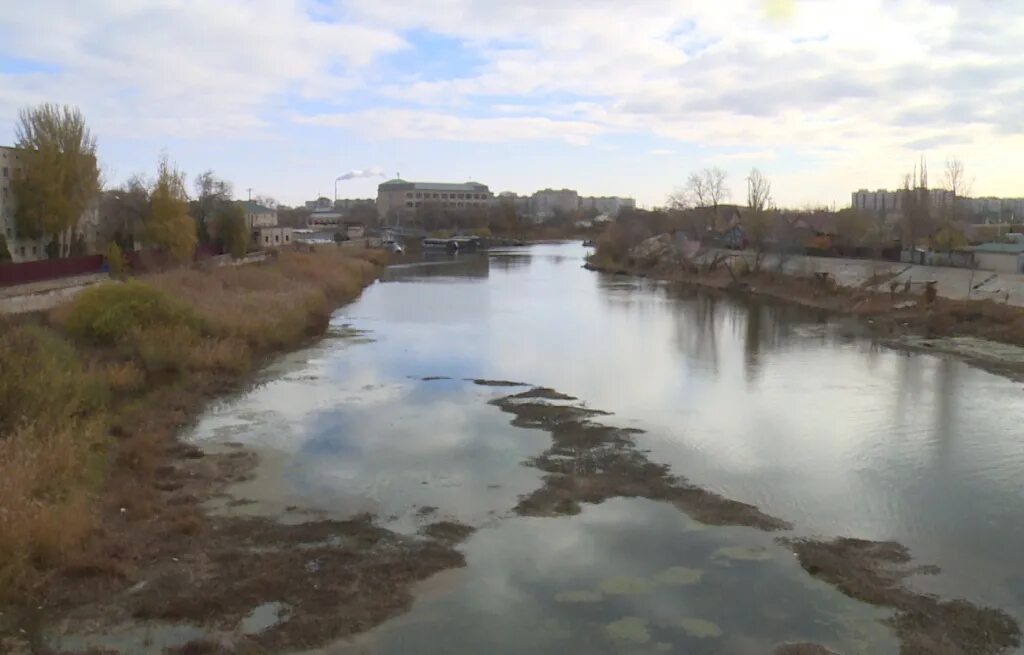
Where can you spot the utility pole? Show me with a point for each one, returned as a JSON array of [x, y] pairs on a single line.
[[250, 194]]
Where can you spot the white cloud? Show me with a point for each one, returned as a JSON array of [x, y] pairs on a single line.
[[180, 67], [836, 83], [660, 152], [427, 125]]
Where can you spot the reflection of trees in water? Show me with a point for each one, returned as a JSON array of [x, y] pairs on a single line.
[[757, 328], [945, 407], [696, 328], [433, 266], [510, 262]]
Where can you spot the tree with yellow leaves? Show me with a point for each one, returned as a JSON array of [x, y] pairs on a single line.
[[60, 177], [169, 225]]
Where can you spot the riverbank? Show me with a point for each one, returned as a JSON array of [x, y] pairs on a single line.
[[984, 332], [99, 497]]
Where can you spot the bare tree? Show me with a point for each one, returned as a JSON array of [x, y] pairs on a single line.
[[211, 193], [704, 192], [917, 212], [759, 226], [955, 178], [707, 188], [759, 192]]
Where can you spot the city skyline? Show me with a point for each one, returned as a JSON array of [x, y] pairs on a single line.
[[601, 97]]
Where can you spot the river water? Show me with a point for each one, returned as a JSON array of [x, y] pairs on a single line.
[[771, 405]]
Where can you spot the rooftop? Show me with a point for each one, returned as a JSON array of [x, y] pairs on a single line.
[[398, 184], [1006, 248], [256, 208]]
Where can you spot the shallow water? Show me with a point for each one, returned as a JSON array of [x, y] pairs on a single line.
[[766, 404]]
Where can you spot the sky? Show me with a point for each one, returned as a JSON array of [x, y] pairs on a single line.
[[609, 97]]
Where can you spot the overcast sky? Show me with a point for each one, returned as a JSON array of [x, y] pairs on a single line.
[[610, 97]]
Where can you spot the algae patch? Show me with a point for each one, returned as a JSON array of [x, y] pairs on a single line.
[[579, 596], [626, 586], [741, 554], [678, 576], [631, 628], [700, 628]]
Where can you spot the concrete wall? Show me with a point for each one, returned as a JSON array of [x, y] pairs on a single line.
[[1002, 262]]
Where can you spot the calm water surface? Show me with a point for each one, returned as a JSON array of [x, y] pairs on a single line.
[[766, 404]]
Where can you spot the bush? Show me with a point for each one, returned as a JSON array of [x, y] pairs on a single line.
[[225, 355], [45, 496], [42, 381], [123, 377], [108, 313], [163, 348], [115, 260]]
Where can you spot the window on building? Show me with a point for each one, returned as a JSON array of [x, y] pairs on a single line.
[[21, 251], [419, 195], [5, 172], [287, 238], [266, 239], [277, 238], [34, 250], [408, 194], [409, 204]]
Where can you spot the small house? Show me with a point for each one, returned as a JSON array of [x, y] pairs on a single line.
[[1000, 257]]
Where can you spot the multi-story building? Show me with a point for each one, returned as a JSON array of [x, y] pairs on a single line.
[[263, 228], [522, 204], [880, 201], [20, 249], [348, 204], [257, 215], [548, 202], [399, 198], [890, 203], [610, 205]]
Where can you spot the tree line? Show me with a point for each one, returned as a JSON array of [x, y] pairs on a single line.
[[59, 182], [697, 206]]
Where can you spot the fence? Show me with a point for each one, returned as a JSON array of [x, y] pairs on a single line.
[[48, 269]]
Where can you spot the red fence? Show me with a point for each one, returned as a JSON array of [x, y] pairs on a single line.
[[138, 261], [48, 269]]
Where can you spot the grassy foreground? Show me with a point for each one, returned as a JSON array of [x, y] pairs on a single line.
[[93, 394]]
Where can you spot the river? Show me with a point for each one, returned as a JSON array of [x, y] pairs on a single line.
[[797, 413]]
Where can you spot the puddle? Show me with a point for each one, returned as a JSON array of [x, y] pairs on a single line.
[[263, 617]]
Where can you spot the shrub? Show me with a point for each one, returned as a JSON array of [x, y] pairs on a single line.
[[163, 348], [227, 355], [45, 495], [108, 313], [115, 260], [42, 381], [123, 377]]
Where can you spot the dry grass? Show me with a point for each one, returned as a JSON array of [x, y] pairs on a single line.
[[229, 355], [123, 377], [46, 493], [155, 349], [273, 305]]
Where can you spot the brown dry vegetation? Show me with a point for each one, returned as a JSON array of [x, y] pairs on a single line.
[[92, 397]]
